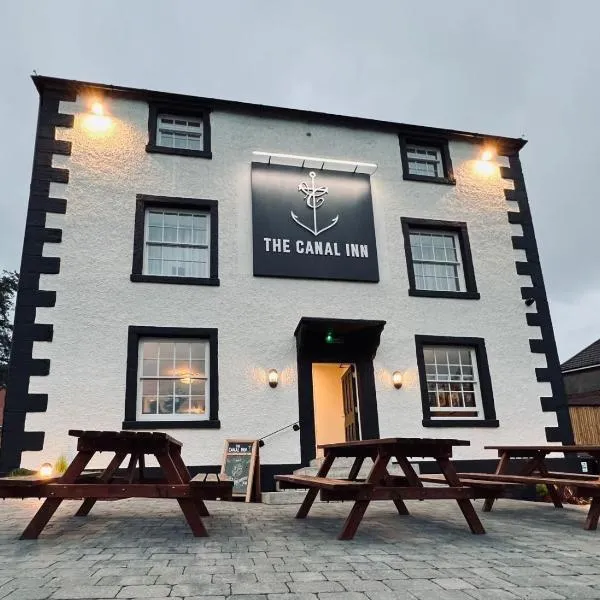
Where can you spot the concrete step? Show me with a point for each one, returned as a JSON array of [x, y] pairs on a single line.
[[341, 468], [285, 497]]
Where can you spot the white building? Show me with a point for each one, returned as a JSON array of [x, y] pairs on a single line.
[[178, 249]]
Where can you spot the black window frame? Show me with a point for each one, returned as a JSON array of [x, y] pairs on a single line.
[[178, 110], [134, 334], [440, 144], [457, 227], [485, 381], [145, 201]]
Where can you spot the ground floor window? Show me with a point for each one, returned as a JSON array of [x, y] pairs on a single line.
[[171, 378], [456, 387]]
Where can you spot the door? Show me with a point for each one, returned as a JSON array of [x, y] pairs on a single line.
[[350, 405]]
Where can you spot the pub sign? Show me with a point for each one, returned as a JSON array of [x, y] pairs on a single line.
[[312, 224]]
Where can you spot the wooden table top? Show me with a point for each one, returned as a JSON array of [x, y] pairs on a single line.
[[426, 447], [545, 448], [124, 436]]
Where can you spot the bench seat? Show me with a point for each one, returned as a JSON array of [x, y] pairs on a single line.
[[322, 483], [593, 484]]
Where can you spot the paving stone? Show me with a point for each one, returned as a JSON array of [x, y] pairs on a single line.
[[491, 594], [86, 592], [29, 593], [580, 593], [536, 593], [145, 591], [308, 576], [201, 589], [260, 587], [315, 587], [342, 596], [453, 583], [291, 597], [128, 580]]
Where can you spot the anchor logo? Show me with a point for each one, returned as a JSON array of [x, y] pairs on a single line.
[[315, 197]]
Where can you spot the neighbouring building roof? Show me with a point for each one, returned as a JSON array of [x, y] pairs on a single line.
[[588, 357]]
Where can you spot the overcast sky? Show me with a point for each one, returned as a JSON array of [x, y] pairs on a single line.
[[516, 67]]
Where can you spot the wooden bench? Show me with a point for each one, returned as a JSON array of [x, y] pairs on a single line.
[[481, 488], [584, 485]]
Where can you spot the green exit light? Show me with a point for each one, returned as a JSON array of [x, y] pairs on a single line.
[[329, 338]]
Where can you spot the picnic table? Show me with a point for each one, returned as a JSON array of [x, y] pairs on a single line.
[[74, 484], [379, 484], [536, 471]]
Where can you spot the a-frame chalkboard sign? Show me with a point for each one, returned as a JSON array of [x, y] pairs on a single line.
[[241, 462]]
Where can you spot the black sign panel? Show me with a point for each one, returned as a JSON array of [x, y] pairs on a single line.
[[313, 224]]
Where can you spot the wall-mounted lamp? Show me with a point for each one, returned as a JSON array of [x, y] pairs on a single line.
[[397, 379], [97, 121], [529, 301], [46, 470], [488, 154], [97, 109], [273, 377]]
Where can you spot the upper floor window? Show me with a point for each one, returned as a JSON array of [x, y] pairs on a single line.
[[179, 129], [179, 132], [175, 241], [438, 259], [426, 160], [456, 387]]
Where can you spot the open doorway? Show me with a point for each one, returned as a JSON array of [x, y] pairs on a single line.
[[335, 403]]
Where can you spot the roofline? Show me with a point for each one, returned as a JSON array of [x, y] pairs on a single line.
[[505, 145], [574, 369]]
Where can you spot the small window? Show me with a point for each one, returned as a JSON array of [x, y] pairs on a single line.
[[456, 388], [426, 160], [179, 132], [181, 129], [172, 378], [438, 258], [175, 241]]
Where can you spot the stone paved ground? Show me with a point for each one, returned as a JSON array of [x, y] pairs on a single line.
[[143, 549]]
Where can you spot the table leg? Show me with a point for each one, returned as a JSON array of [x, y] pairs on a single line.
[[312, 492], [356, 465], [449, 472], [501, 468], [48, 508], [413, 480], [591, 521], [353, 520], [188, 506], [114, 464], [185, 477], [552, 489]]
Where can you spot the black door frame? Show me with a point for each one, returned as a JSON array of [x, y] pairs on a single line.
[[359, 342]]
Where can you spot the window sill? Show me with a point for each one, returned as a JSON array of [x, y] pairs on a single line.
[[442, 294], [151, 148], [138, 277], [461, 423], [209, 424], [443, 180]]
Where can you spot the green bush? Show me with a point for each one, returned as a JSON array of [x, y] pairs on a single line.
[[20, 472], [541, 490]]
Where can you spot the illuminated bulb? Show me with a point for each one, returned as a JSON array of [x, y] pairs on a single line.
[[487, 154], [273, 377], [397, 379], [97, 108], [46, 470]]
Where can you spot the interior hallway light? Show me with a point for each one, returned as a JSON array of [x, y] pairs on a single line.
[[273, 377], [397, 379]]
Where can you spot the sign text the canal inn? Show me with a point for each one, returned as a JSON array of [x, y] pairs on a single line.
[[313, 224]]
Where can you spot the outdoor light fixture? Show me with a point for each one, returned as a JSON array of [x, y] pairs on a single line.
[[46, 470], [397, 379], [273, 377], [315, 162], [329, 337], [96, 121], [487, 154]]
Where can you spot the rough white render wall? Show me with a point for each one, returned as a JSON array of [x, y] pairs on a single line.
[[256, 317]]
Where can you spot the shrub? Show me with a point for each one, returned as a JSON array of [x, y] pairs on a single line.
[[61, 464]]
